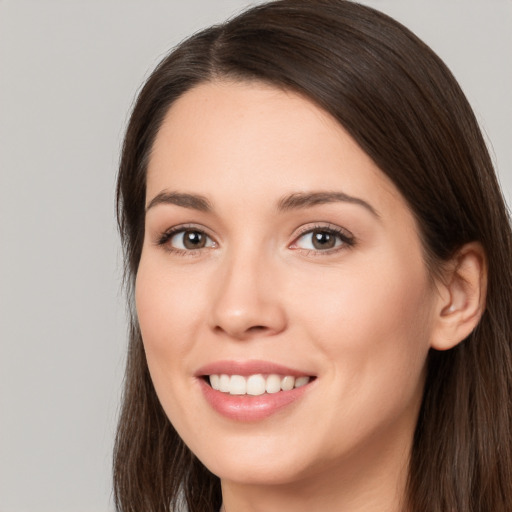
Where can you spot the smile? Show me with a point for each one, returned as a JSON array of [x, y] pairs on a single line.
[[257, 384], [252, 390]]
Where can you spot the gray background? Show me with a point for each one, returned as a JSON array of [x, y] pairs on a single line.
[[69, 71]]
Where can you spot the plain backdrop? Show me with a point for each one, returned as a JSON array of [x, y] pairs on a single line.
[[69, 72]]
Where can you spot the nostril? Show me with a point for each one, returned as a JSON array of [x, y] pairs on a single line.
[[242, 332]]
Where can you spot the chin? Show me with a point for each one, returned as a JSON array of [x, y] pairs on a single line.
[[258, 460], [256, 472]]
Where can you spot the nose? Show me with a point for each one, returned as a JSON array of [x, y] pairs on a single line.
[[247, 301]]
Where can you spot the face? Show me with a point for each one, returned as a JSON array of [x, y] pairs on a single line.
[[284, 303]]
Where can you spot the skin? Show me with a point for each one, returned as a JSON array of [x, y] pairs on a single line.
[[361, 318]]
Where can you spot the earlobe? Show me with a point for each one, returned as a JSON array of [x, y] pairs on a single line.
[[461, 297]]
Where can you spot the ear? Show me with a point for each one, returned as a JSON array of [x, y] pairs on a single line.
[[461, 302]]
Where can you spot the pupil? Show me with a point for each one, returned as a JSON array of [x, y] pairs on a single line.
[[194, 240], [323, 240]]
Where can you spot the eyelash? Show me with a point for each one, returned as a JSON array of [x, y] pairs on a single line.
[[345, 237], [347, 240], [166, 236]]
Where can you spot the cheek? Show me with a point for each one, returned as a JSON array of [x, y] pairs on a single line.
[[373, 324], [167, 304], [378, 298]]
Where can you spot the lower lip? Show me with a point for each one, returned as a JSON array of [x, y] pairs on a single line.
[[247, 408]]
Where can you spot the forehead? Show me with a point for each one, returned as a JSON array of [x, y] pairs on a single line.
[[252, 141]]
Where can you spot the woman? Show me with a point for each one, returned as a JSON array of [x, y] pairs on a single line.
[[318, 265]]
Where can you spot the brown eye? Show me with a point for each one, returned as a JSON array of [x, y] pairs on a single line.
[[323, 239], [190, 239], [194, 239]]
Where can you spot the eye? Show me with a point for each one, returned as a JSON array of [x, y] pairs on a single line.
[[322, 239], [183, 239], [190, 240]]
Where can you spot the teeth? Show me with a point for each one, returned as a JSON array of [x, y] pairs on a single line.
[[237, 385], [215, 381], [287, 383], [256, 384], [273, 384], [224, 383], [301, 381]]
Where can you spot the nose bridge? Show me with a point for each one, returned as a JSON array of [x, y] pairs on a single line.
[[247, 300]]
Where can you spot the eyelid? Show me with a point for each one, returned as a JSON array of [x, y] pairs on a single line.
[[163, 238], [346, 237]]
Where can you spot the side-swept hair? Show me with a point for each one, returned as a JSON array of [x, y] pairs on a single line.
[[402, 105]]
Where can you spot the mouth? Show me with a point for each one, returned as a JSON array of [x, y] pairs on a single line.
[[251, 391], [256, 384]]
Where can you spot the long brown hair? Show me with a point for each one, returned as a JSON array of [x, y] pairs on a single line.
[[404, 108]]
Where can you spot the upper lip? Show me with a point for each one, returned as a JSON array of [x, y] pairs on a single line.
[[246, 368]]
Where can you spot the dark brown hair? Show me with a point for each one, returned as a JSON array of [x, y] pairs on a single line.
[[406, 111]]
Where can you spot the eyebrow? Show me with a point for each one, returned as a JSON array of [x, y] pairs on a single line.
[[307, 199], [293, 201], [192, 201]]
